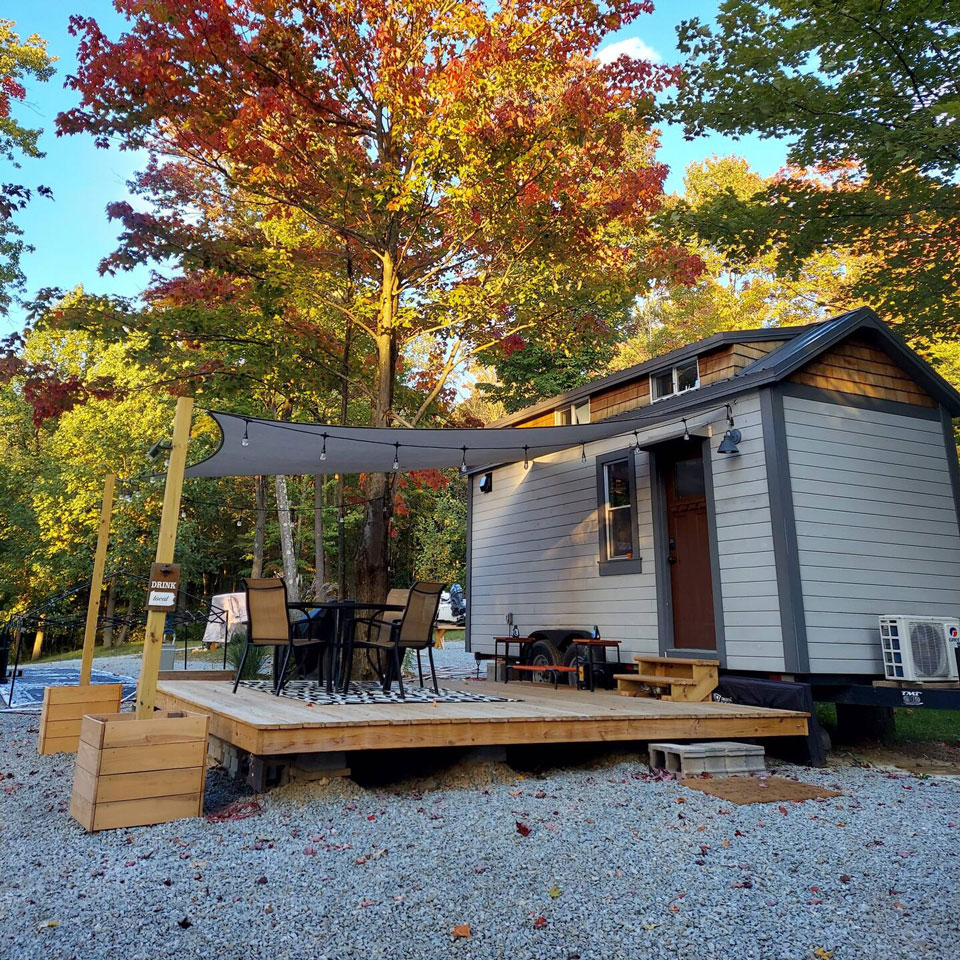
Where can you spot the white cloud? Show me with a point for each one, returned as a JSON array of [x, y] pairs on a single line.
[[633, 47]]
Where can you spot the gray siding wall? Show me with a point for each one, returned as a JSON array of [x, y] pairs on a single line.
[[876, 526], [748, 574], [535, 553]]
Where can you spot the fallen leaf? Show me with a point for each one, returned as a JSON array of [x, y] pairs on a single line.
[[554, 892], [48, 923], [309, 851], [726, 843], [461, 931], [523, 829], [368, 903], [539, 923], [822, 954], [783, 809], [650, 926], [845, 878]]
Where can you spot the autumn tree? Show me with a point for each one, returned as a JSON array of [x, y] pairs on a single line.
[[20, 61], [737, 290], [867, 95], [447, 174]]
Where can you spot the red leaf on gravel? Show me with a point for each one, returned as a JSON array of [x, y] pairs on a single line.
[[238, 810], [368, 903], [130, 863], [782, 809], [845, 878], [461, 931], [309, 851], [523, 829], [539, 923]]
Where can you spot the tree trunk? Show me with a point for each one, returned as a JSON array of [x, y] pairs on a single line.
[[319, 567], [373, 568], [111, 611], [125, 626], [260, 528], [286, 540]]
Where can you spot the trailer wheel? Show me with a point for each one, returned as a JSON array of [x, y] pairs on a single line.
[[575, 656], [544, 653]]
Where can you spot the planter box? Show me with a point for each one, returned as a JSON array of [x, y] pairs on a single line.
[[132, 772], [65, 707]]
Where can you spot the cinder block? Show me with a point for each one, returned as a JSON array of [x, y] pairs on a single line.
[[723, 759]]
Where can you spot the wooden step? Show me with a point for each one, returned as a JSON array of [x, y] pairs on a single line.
[[654, 680], [639, 658]]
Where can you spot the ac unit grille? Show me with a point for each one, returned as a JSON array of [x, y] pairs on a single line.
[[929, 648]]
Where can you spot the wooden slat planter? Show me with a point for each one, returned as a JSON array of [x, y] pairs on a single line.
[[64, 708], [134, 772]]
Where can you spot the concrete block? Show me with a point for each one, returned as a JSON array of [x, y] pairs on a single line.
[[722, 759]]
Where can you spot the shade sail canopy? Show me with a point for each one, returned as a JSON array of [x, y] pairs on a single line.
[[278, 447]]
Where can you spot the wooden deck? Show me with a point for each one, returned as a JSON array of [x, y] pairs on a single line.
[[268, 726]]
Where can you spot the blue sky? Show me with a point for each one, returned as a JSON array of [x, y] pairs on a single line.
[[71, 233]]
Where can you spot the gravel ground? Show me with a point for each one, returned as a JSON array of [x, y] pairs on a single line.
[[592, 860]]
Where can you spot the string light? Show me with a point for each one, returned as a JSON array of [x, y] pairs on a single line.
[[396, 457], [245, 442], [636, 443], [729, 415], [583, 453], [526, 457], [323, 449], [463, 463], [686, 431], [239, 521]]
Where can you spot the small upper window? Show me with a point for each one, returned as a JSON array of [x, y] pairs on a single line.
[[679, 379], [574, 414]]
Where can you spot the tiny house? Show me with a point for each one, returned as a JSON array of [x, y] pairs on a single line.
[[773, 493]]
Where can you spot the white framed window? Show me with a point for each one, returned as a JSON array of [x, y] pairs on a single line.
[[574, 414], [678, 379]]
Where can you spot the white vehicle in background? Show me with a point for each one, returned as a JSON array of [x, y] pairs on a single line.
[[453, 606]]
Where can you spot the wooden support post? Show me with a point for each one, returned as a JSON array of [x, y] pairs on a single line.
[[153, 638], [37, 642], [96, 581]]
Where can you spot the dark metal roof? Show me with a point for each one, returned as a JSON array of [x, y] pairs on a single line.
[[663, 362], [803, 345]]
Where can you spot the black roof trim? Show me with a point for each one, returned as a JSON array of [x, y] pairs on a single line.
[[664, 361]]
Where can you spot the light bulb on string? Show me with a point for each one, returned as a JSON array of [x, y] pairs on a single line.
[[636, 444], [396, 457], [463, 463], [686, 431], [323, 449], [245, 440], [583, 453], [239, 521], [526, 457]]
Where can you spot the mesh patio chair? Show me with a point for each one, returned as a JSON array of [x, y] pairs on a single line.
[[413, 630], [269, 625]]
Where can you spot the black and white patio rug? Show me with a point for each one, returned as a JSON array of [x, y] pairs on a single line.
[[28, 689], [360, 692]]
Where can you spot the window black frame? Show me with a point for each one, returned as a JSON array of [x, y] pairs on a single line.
[[616, 567]]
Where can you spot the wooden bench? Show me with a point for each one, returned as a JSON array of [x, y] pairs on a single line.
[[682, 679]]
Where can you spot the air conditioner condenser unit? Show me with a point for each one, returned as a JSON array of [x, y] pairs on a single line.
[[919, 648]]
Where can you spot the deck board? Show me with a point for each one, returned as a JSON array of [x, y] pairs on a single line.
[[263, 724]]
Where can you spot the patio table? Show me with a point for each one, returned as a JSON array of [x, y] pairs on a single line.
[[345, 613]]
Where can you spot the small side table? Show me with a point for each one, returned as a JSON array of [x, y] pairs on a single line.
[[506, 641], [592, 643]]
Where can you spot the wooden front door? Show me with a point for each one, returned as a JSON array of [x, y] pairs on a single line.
[[688, 555]]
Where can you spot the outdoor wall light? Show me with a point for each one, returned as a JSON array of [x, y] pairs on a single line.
[[729, 442]]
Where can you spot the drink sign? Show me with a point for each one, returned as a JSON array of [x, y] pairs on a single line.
[[164, 581]]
